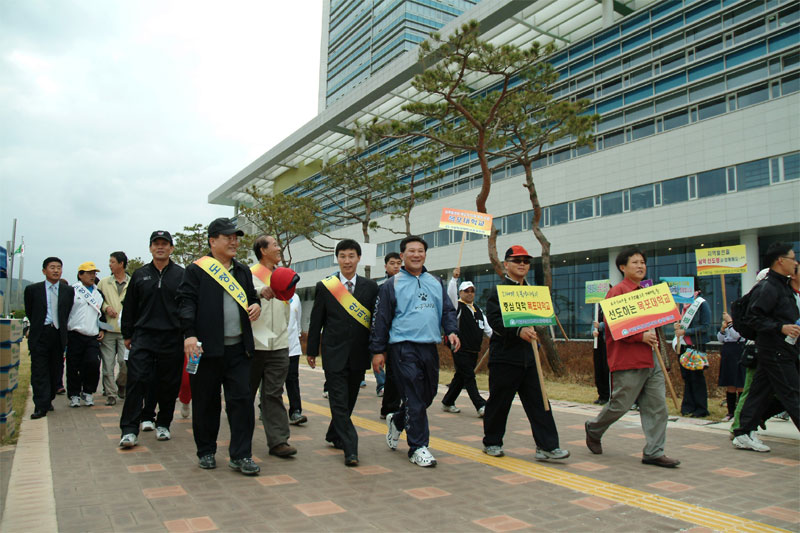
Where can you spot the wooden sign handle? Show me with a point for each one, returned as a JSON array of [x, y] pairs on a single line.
[[541, 377], [724, 296], [461, 248], [662, 349], [596, 316]]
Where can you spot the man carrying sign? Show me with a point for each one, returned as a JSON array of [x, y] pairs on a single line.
[[410, 314], [512, 371], [635, 375], [217, 302], [340, 319]]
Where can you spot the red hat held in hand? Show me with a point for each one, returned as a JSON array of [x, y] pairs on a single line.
[[282, 283]]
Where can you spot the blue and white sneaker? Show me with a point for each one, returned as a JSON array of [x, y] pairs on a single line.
[[422, 457], [393, 435], [556, 454]]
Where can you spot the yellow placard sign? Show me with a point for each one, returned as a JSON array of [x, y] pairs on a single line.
[[637, 311], [722, 260], [469, 221], [525, 305]]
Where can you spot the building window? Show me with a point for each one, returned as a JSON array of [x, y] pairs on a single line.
[[731, 174], [674, 191], [692, 187], [791, 166], [775, 170], [642, 197], [514, 223], [711, 183], [559, 214], [584, 209], [611, 203]]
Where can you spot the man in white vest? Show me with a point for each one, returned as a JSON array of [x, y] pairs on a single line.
[[270, 363], [83, 338]]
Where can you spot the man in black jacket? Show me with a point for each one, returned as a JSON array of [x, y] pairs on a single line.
[[217, 302], [773, 312], [47, 306], [151, 332], [344, 339], [512, 370]]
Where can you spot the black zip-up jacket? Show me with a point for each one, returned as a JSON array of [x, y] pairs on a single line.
[[200, 308], [150, 305], [506, 346], [772, 306]]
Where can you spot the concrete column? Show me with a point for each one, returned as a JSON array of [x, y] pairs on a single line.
[[608, 13], [750, 239], [613, 272]]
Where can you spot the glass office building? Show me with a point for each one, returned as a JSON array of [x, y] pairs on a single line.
[[698, 145]]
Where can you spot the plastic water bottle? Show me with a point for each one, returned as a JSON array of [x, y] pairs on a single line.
[[792, 340], [194, 360]]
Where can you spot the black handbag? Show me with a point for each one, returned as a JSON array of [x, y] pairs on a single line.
[[749, 357]]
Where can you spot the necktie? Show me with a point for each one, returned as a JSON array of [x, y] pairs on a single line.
[[53, 304], [349, 286]]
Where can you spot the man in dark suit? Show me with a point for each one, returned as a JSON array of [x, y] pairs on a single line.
[[47, 305], [341, 316]]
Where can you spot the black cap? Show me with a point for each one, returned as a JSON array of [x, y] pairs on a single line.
[[161, 234], [223, 226]]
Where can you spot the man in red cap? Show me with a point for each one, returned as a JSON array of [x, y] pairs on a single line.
[[512, 370], [270, 363]]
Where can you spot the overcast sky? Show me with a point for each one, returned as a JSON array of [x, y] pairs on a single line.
[[118, 118]]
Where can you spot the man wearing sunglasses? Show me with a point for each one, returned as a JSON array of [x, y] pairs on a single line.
[[472, 326], [512, 370]]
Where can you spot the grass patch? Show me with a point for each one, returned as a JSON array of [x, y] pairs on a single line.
[[21, 393]]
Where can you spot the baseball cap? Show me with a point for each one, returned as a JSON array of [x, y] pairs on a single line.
[[161, 234], [517, 251], [465, 285], [282, 282], [88, 266], [223, 226]]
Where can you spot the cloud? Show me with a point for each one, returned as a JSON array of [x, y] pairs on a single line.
[[120, 118]]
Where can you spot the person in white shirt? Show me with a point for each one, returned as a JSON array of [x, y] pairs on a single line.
[[83, 338], [296, 415]]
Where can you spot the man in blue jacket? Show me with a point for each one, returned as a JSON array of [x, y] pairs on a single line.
[[410, 313]]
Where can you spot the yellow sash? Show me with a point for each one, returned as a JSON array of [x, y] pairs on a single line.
[[348, 301], [261, 272], [220, 274]]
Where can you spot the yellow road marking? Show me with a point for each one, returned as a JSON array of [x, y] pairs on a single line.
[[646, 501]]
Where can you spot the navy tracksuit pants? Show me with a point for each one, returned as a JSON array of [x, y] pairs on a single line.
[[415, 371]]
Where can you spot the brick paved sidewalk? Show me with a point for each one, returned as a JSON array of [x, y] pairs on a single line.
[[158, 487]]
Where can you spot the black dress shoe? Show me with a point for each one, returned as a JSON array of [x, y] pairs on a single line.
[[351, 460], [39, 413], [51, 408], [592, 443], [663, 461], [339, 445]]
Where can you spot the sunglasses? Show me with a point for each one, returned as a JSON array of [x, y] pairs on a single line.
[[520, 260]]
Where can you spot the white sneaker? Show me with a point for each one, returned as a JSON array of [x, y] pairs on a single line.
[[185, 410], [494, 451], [393, 435], [129, 440], [75, 401], [422, 457], [324, 394], [147, 425], [450, 408], [481, 411], [162, 433], [88, 399], [556, 454], [746, 442]]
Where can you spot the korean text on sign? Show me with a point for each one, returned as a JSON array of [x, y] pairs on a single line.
[[525, 305], [469, 221], [723, 260], [596, 290], [637, 311]]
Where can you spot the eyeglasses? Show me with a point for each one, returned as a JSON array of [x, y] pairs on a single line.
[[793, 258], [520, 260]]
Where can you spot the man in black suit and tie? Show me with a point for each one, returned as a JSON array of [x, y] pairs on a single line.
[[341, 315], [47, 305]]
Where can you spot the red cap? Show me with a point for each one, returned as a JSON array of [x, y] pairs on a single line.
[[517, 251], [282, 283]]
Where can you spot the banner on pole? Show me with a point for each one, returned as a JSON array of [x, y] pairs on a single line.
[[637, 311], [722, 260], [469, 221], [682, 289], [596, 290], [525, 305]]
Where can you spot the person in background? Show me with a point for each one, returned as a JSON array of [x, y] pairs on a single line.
[[731, 373], [390, 403], [472, 326], [602, 379], [112, 347], [296, 416], [694, 337]]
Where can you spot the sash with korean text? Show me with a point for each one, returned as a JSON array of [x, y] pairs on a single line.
[[214, 268], [347, 300]]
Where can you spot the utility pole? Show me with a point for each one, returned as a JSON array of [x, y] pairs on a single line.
[[8, 277], [21, 266], [7, 300]]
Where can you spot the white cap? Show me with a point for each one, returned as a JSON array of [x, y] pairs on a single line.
[[465, 285]]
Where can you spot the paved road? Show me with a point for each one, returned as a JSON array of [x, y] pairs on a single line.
[[69, 475]]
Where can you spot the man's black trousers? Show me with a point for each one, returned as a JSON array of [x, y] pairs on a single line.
[[232, 373], [505, 381], [153, 377], [464, 378], [390, 403], [293, 385], [47, 366], [343, 387], [776, 375]]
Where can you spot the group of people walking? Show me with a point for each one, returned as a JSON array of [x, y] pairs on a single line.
[[224, 328]]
